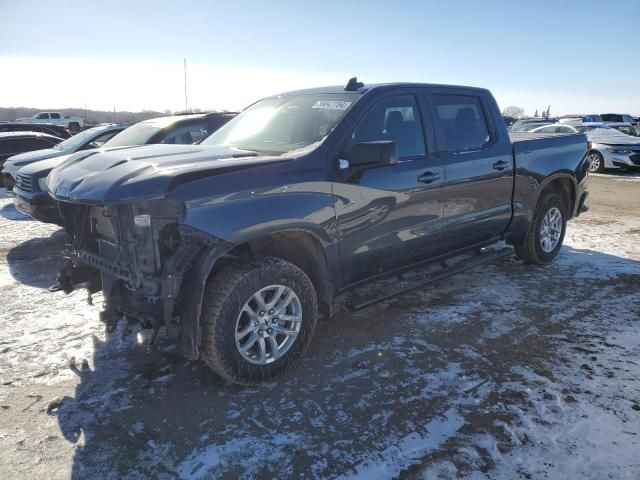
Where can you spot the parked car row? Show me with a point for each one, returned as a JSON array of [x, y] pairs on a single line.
[[242, 236], [31, 170], [614, 139], [610, 146], [527, 124]]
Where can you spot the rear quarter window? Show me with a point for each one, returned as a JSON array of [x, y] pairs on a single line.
[[460, 122]]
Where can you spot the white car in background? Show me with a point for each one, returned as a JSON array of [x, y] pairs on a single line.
[[608, 147], [57, 118], [581, 127]]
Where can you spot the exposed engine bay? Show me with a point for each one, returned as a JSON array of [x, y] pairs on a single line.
[[140, 256]]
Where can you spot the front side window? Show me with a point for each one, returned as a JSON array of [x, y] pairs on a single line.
[[397, 119], [32, 143], [460, 122], [100, 140], [278, 125], [187, 134], [79, 139]]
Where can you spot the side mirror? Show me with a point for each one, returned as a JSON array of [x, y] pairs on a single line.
[[372, 154]]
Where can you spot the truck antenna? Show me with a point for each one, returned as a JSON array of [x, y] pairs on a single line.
[[186, 109], [353, 84]]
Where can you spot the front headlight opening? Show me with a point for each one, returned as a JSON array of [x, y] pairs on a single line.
[[42, 184]]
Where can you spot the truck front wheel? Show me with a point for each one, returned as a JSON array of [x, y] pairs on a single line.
[[258, 316], [546, 231]]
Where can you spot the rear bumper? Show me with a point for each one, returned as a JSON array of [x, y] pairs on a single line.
[[38, 205]]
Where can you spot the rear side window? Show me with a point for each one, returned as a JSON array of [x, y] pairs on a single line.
[[55, 116], [460, 122], [43, 116], [29, 144], [8, 146]]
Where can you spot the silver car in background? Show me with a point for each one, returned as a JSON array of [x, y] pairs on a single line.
[[608, 147], [626, 127]]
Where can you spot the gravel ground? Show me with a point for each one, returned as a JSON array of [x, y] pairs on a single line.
[[507, 371]]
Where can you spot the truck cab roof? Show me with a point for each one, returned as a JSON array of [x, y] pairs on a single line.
[[337, 89]]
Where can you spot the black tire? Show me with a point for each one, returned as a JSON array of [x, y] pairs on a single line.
[[530, 249], [596, 162], [226, 294]]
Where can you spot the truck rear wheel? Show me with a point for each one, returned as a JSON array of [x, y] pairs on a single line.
[[546, 231], [258, 316]]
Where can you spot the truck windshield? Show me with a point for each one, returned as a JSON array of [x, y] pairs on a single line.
[[138, 134], [281, 124], [79, 139]]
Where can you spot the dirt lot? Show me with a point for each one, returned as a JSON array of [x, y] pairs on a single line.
[[508, 371]]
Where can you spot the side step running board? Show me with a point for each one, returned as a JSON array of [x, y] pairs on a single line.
[[419, 278]]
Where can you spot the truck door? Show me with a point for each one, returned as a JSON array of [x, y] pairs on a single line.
[[478, 165], [387, 215]]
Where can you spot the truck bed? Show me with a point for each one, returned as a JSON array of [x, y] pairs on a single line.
[[547, 147]]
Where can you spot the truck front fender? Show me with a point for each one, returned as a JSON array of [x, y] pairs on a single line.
[[254, 215]]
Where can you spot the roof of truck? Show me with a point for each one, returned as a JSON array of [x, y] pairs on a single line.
[[337, 89]]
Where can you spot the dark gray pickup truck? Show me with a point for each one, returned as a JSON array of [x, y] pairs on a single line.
[[243, 240]]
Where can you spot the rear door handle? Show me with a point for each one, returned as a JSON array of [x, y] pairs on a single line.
[[429, 177], [500, 165]]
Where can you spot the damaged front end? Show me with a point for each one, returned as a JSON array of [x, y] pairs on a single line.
[[150, 267]]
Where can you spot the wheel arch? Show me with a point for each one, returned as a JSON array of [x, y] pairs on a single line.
[[564, 185], [300, 247]]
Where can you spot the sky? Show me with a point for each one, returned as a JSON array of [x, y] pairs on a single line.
[[578, 56]]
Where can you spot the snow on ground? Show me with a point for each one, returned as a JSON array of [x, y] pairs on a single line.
[[508, 371]]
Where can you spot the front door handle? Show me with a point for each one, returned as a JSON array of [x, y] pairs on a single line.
[[429, 177], [500, 165]]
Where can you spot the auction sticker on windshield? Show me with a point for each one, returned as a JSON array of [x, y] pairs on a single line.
[[332, 104]]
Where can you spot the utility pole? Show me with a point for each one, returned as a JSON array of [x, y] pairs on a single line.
[[186, 105]]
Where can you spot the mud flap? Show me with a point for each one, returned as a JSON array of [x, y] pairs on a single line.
[[193, 285]]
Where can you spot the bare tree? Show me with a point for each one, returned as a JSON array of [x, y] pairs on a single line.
[[513, 111]]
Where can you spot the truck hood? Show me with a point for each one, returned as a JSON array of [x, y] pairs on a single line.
[[151, 171], [43, 167], [16, 162], [616, 140]]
